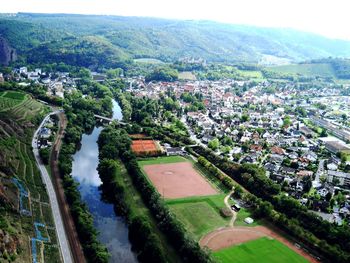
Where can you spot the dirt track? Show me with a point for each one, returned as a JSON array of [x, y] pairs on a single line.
[[177, 180], [76, 249], [229, 236]]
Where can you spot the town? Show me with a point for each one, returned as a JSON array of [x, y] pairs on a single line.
[[300, 137]]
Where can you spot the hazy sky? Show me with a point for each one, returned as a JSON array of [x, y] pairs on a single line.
[[330, 18]]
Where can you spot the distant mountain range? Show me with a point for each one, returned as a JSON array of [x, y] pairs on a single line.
[[87, 40]]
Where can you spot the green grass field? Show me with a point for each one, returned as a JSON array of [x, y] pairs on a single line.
[[201, 214], [262, 250], [162, 160], [241, 215], [323, 70]]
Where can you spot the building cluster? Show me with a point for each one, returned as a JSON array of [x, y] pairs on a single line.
[[56, 83], [266, 129]]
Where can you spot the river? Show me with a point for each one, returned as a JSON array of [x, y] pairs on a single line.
[[113, 231]]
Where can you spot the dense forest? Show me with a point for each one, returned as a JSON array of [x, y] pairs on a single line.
[[97, 41]]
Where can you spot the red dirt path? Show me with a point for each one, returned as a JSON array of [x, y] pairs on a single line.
[[229, 236], [177, 180]]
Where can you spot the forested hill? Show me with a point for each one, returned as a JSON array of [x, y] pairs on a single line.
[[107, 40]]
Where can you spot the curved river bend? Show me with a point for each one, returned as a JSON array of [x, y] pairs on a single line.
[[113, 231]]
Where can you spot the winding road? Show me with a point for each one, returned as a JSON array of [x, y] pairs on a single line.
[[61, 234]]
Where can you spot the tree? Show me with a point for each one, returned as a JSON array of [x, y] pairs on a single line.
[[286, 120], [45, 155], [244, 118], [162, 74], [307, 184], [340, 198], [214, 144], [323, 133], [336, 181]]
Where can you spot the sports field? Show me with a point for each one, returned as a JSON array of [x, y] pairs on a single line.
[[200, 214], [262, 250], [175, 177], [140, 147], [177, 180]]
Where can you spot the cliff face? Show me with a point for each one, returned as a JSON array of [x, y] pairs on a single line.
[[7, 53]]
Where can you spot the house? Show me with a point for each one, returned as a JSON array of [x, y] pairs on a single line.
[[332, 166], [343, 178], [45, 133], [307, 131], [275, 158], [303, 201], [174, 151], [287, 170], [277, 150], [322, 192], [334, 160], [271, 167], [311, 156], [23, 70], [303, 173], [256, 148]]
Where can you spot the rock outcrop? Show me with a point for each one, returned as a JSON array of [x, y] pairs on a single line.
[[7, 53]]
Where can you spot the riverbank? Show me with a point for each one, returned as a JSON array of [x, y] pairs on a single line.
[[113, 231], [72, 235]]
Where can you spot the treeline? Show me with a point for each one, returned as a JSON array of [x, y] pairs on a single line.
[[113, 144], [144, 110], [36, 90], [94, 251], [125, 105], [329, 240], [188, 249], [162, 74]]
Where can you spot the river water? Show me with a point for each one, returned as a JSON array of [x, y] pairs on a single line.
[[113, 231]]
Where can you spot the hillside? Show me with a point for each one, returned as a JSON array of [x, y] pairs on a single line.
[[326, 68], [25, 211], [91, 40]]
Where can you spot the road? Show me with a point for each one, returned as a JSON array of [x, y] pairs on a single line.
[[234, 213], [320, 171], [61, 234], [72, 235]]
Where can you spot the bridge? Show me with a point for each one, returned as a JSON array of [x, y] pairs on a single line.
[[109, 119]]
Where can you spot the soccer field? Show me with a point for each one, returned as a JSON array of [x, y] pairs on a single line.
[[262, 250]]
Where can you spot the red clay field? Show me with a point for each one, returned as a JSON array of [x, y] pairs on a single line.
[[177, 180], [144, 147]]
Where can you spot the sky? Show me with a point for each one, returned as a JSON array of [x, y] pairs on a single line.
[[329, 18]]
